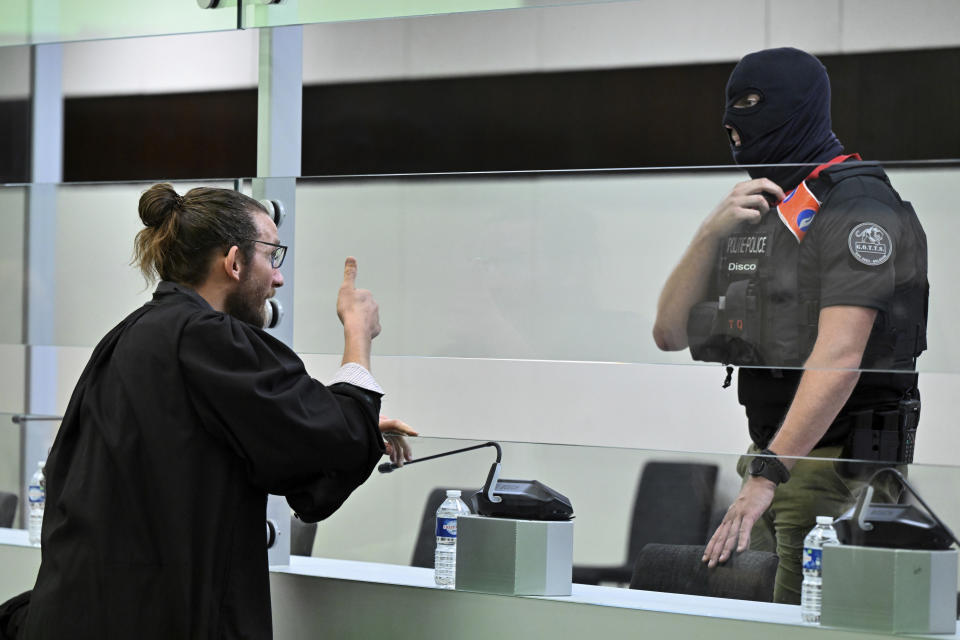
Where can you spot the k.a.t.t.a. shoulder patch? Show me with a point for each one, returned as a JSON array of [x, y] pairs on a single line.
[[870, 244]]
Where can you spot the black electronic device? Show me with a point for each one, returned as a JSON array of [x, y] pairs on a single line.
[[900, 526], [519, 499], [523, 500]]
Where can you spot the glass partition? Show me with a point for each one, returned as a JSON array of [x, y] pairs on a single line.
[[564, 267], [519, 290], [570, 267], [515, 307], [622, 498], [30, 22], [518, 306]]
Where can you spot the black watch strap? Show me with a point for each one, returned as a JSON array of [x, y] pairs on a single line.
[[769, 467]]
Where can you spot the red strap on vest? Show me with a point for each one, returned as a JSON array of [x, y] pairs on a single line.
[[816, 172]]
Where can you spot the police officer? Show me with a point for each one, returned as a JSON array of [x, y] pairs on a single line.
[[809, 271]]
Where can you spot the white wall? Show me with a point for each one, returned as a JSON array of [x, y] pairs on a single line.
[[15, 72], [12, 210]]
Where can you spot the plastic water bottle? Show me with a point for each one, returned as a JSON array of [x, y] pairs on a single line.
[[445, 557], [37, 497], [811, 593]]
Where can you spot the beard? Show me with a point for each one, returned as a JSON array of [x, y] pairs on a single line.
[[246, 302]]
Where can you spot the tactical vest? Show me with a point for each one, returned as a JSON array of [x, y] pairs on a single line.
[[761, 317]]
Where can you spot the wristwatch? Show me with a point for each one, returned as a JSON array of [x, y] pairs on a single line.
[[770, 468]]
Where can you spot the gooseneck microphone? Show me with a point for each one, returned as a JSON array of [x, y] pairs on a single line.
[[492, 476], [387, 467], [519, 499]]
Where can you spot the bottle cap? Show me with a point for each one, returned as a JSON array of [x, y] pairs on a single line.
[[453, 493], [824, 520]]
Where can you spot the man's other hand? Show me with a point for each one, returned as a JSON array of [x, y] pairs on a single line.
[[398, 448], [755, 497], [356, 308]]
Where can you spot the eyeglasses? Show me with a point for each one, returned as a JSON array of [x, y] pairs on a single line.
[[277, 255]]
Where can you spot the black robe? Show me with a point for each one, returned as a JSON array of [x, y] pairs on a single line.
[[182, 422]]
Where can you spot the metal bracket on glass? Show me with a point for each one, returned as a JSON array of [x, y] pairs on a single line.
[[278, 531], [20, 418], [272, 313], [275, 210], [208, 4], [272, 528]]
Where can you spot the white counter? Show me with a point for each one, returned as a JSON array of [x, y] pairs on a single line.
[[316, 597]]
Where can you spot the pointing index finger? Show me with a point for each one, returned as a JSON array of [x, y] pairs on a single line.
[[350, 272]]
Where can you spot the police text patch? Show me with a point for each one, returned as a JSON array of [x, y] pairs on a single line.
[[870, 244]]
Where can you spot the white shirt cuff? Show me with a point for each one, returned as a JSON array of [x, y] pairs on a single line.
[[357, 375]]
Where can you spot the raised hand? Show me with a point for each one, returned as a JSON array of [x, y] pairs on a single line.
[[356, 308]]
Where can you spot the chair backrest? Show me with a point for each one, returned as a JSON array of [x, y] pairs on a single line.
[[302, 535], [8, 508], [673, 505], [748, 575], [427, 535]]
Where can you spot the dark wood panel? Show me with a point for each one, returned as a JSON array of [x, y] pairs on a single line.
[[189, 135], [630, 117], [14, 140], [888, 106], [898, 105]]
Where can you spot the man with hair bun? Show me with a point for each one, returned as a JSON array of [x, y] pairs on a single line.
[[187, 415], [805, 274]]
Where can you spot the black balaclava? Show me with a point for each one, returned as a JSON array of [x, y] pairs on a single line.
[[791, 123]]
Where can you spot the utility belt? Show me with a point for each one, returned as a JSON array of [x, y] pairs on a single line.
[[884, 435]]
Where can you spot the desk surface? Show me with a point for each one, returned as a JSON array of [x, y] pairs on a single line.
[[398, 575]]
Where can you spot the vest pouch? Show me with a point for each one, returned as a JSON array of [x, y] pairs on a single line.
[[707, 343], [717, 335], [740, 323]]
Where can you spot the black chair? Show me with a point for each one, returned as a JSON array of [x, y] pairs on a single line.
[[748, 575], [302, 535], [8, 508], [673, 505], [427, 535]]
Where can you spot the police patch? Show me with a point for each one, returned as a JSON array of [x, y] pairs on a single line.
[[870, 244]]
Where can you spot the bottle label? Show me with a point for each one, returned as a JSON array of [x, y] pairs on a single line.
[[812, 559], [447, 528], [35, 494]]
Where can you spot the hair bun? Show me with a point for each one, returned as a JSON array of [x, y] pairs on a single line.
[[158, 203]]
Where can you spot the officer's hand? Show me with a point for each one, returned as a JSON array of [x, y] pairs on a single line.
[[745, 203], [398, 448], [356, 308], [755, 497]]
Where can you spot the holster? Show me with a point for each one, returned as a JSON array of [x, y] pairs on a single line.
[[886, 436]]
